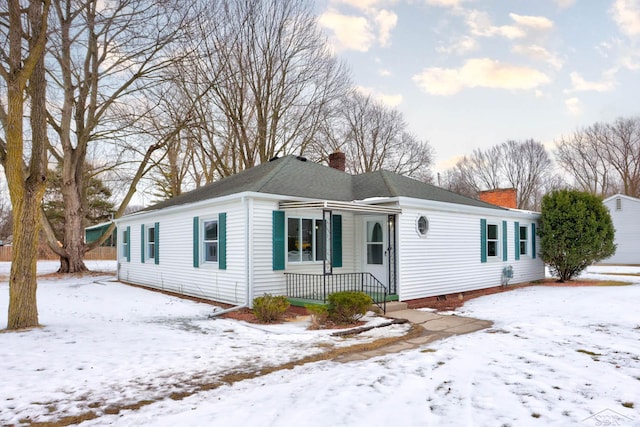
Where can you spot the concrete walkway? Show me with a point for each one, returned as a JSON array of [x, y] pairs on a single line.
[[436, 327]]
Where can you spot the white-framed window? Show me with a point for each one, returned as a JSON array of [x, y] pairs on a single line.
[[493, 240], [422, 226], [305, 239], [523, 239], [151, 242], [124, 243], [210, 240], [618, 204]]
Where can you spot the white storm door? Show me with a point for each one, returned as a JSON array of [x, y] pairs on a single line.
[[375, 248]]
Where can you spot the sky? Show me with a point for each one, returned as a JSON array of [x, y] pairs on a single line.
[[472, 74]]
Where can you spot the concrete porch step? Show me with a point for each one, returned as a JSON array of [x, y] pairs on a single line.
[[396, 306]]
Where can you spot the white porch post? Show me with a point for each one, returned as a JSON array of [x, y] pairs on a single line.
[[328, 233]]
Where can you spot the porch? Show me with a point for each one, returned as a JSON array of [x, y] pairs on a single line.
[[305, 288], [373, 271]]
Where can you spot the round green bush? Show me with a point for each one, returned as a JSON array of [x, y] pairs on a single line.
[[348, 306], [269, 308]]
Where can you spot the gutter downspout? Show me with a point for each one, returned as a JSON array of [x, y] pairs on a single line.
[[247, 266]]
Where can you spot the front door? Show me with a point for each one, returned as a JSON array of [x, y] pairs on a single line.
[[375, 248]]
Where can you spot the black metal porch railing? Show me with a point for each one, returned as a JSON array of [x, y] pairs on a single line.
[[317, 287]]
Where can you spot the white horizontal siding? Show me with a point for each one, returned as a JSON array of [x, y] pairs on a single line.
[[175, 271], [265, 279], [626, 222], [448, 261]]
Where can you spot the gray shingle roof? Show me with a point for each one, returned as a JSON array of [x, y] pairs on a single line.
[[388, 184], [295, 177]]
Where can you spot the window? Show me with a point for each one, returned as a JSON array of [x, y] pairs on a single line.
[[305, 240], [149, 236], [125, 244], [210, 241], [492, 240], [320, 239], [375, 243], [618, 204], [422, 226], [151, 242], [523, 240]]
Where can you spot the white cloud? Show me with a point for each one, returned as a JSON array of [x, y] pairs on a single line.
[[449, 163], [349, 32], [563, 4], [386, 21], [538, 53], [621, 53], [358, 4], [480, 24], [479, 72], [579, 84], [631, 61], [445, 3], [387, 99], [384, 72], [626, 14], [538, 23], [439, 81], [574, 107], [362, 30], [460, 46]]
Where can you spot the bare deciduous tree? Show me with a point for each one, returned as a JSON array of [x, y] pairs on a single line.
[[270, 78], [374, 136], [105, 54], [622, 144], [523, 165], [527, 167], [23, 71], [583, 156]]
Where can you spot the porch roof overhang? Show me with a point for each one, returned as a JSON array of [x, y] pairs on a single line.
[[357, 207]]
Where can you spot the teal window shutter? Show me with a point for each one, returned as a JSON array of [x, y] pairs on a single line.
[[196, 241], [128, 254], [278, 240], [505, 253], [142, 243], [483, 240], [156, 245], [516, 229], [533, 240], [222, 241], [336, 243]]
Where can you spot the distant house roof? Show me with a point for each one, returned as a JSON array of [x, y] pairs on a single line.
[[294, 176], [621, 196]]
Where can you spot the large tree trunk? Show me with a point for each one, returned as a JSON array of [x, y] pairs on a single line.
[[73, 245], [23, 310], [26, 182]]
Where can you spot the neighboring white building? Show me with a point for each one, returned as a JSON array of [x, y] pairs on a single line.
[[625, 214], [297, 228]]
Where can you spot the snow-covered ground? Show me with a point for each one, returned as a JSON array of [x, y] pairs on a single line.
[[104, 343], [556, 356]]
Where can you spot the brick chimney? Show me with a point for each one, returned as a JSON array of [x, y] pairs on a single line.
[[505, 197], [338, 160]]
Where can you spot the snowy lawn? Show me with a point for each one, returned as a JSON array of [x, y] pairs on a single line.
[[106, 344], [556, 356]]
